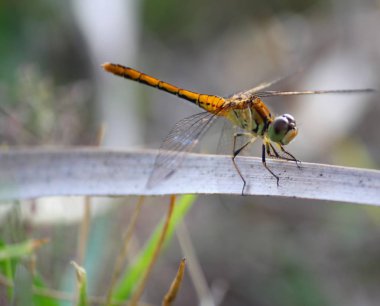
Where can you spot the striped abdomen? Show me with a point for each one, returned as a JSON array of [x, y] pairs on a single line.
[[208, 102]]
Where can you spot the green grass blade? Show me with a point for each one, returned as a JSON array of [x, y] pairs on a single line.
[[10, 258], [7, 270], [41, 300], [23, 286], [136, 271], [19, 250], [82, 285]]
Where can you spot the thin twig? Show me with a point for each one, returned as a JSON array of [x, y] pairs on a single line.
[[175, 285], [195, 270], [137, 294], [31, 173], [84, 230], [120, 260], [86, 218]]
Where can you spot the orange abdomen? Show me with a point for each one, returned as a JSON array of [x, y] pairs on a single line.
[[207, 102]]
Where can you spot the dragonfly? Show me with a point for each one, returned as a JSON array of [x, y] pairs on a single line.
[[245, 110]]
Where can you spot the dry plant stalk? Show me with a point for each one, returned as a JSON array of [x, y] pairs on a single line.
[[196, 273], [136, 296], [86, 219], [174, 287], [118, 268], [84, 230]]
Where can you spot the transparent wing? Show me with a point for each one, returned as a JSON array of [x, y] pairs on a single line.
[[273, 93], [264, 85], [226, 141], [181, 139]]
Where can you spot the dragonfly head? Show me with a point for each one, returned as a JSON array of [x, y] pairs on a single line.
[[282, 129]]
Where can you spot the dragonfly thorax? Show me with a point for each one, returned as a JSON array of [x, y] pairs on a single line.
[[282, 129]]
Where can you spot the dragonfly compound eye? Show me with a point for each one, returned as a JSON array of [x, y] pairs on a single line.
[[291, 120], [280, 125], [283, 129]]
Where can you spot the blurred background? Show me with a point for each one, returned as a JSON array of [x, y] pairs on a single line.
[[252, 250]]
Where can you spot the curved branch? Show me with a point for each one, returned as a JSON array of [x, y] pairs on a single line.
[[31, 173]]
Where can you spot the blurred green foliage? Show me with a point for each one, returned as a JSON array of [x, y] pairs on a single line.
[[40, 32], [199, 21]]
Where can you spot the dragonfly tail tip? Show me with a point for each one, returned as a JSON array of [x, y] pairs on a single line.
[[107, 66]]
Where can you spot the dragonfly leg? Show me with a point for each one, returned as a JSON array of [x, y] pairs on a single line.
[[276, 155], [292, 156], [236, 152], [269, 146], [265, 165]]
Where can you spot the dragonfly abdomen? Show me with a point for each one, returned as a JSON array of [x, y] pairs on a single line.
[[208, 102], [212, 104]]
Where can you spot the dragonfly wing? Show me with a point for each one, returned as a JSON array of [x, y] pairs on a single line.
[[181, 139], [263, 94], [226, 141], [265, 85]]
